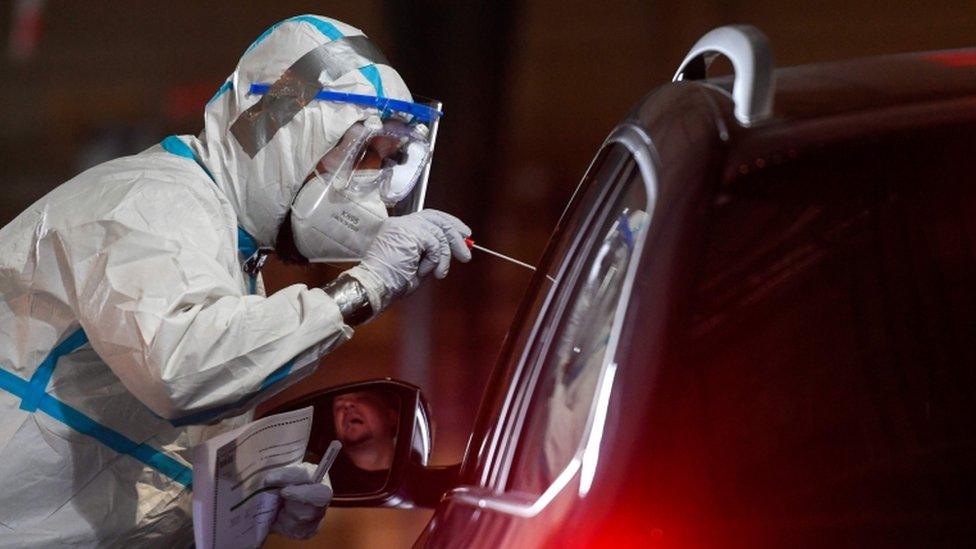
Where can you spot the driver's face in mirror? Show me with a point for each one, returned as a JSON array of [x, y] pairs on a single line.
[[366, 424]]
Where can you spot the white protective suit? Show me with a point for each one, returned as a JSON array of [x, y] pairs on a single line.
[[125, 313]]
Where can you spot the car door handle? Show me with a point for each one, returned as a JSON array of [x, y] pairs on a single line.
[[514, 503]]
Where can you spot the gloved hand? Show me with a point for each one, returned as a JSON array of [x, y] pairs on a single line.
[[406, 249], [303, 502]]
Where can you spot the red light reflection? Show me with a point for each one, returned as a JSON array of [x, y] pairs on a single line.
[[959, 58]]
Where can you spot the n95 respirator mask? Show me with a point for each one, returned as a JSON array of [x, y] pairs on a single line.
[[379, 168]]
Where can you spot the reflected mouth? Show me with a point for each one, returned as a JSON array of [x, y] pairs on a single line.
[[354, 420]]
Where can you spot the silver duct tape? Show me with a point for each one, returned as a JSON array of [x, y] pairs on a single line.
[[352, 299], [350, 53], [299, 84]]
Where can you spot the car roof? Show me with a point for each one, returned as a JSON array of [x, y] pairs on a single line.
[[819, 104], [837, 92], [829, 89]]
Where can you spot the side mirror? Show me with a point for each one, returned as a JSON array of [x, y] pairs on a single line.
[[386, 440]]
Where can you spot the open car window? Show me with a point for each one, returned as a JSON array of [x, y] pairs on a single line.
[[571, 354]]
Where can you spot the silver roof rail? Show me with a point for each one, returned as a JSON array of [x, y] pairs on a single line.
[[748, 50]]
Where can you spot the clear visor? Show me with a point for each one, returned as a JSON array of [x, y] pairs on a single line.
[[387, 157], [379, 168]]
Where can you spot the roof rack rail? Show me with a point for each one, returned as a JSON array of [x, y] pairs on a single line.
[[752, 60]]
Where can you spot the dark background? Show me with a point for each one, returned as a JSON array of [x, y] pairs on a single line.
[[530, 90]]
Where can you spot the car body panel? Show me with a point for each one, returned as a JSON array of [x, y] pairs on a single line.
[[652, 482]]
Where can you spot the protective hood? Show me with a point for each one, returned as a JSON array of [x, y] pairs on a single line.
[[260, 147]]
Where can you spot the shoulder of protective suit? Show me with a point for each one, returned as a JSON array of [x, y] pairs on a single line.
[[153, 192]]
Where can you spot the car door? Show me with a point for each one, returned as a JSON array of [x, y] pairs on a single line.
[[820, 389], [539, 457]]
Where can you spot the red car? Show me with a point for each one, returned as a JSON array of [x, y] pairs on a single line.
[[754, 325]]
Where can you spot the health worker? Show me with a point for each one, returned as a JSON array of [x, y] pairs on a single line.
[[133, 321]]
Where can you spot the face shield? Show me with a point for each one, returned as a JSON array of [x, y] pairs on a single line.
[[379, 168], [387, 157]]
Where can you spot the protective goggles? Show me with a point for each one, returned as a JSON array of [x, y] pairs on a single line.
[[388, 157], [389, 153]]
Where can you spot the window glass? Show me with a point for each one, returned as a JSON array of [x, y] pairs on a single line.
[[573, 350], [578, 215], [823, 383], [566, 236]]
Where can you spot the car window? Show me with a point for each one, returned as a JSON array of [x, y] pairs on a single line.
[[571, 354], [583, 207], [823, 382], [541, 296]]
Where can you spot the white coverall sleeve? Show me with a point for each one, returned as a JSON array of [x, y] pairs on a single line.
[[160, 306]]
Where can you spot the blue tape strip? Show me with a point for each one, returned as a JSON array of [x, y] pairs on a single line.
[[261, 37], [246, 244], [247, 247], [206, 416], [326, 28], [113, 439], [116, 441], [373, 75], [277, 375], [331, 32], [224, 88], [420, 111], [13, 384], [175, 145], [38, 382]]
